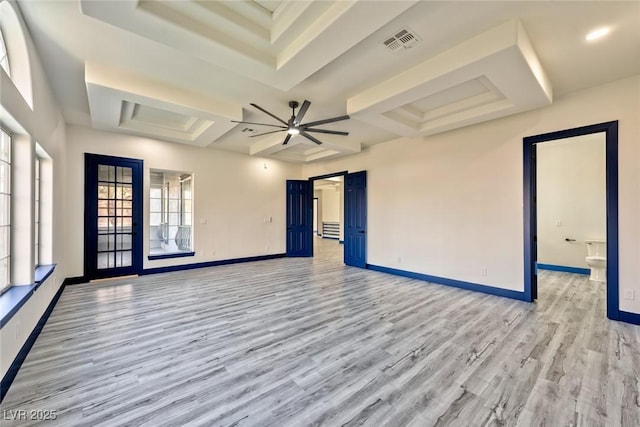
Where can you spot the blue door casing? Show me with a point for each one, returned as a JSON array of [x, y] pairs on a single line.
[[610, 130], [112, 216], [355, 219], [299, 218]]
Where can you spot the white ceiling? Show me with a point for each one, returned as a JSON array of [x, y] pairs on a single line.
[[181, 71]]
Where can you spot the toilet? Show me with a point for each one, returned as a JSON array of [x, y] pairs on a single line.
[[597, 259]]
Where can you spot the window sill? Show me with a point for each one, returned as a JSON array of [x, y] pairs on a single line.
[[42, 273], [16, 296], [171, 255]]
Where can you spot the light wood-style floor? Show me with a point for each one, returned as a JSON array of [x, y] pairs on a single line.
[[298, 342]]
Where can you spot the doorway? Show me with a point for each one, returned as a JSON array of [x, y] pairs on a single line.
[[347, 227], [610, 132], [113, 213]]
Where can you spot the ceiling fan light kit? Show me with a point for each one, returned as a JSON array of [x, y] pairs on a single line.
[[294, 126]]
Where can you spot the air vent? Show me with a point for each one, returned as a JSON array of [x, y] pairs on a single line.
[[403, 39]]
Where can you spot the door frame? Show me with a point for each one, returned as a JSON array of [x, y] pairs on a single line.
[[329, 175], [610, 130], [90, 213]]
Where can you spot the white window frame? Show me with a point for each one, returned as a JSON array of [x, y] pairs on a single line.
[[5, 247], [170, 214], [4, 55]]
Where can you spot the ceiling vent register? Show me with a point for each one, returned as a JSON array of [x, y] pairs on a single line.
[[403, 39]]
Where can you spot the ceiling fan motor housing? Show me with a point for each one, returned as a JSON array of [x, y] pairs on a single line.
[[293, 125]]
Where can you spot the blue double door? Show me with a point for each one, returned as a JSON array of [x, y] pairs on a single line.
[[300, 218]]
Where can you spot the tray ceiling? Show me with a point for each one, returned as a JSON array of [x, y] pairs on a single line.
[[182, 70]]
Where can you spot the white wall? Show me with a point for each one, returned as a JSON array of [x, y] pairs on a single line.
[[42, 123], [451, 205], [331, 205], [233, 193], [571, 198]]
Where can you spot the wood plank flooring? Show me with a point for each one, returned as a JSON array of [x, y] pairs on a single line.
[[296, 342]]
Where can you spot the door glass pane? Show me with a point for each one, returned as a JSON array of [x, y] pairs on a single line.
[[124, 175], [106, 173], [123, 259], [105, 260], [115, 216]]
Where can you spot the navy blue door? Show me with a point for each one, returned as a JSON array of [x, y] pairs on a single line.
[[113, 216], [299, 218], [355, 219]]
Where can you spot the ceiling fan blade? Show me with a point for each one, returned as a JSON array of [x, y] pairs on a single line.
[[272, 115], [310, 137], [302, 111], [261, 124], [322, 122], [286, 140], [266, 133], [332, 132]]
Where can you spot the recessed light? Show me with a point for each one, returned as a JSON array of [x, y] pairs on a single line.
[[597, 34], [293, 131]]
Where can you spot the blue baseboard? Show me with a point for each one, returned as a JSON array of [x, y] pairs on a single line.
[[563, 268], [451, 282], [74, 280], [8, 378], [625, 316], [182, 267]]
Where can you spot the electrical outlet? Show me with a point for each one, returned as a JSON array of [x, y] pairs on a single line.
[[629, 294], [483, 272], [399, 260], [203, 221]]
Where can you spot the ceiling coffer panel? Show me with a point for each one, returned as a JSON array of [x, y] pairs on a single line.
[[492, 75], [125, 102], [277, 43]]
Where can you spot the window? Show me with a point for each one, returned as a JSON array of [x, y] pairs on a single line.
[[5, 210], [4, 57], [36, 228], [171, 213]]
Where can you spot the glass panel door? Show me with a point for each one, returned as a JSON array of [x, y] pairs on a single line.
[[112, 245], [115, 217]]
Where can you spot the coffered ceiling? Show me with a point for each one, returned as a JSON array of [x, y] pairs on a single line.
[[181, 71]]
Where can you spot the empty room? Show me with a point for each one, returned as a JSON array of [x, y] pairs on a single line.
[[319, 212]]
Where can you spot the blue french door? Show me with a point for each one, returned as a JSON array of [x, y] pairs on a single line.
[[299, 218], [113, 216], [355, 219]]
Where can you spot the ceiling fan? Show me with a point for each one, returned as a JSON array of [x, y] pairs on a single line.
[[294, 127]]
